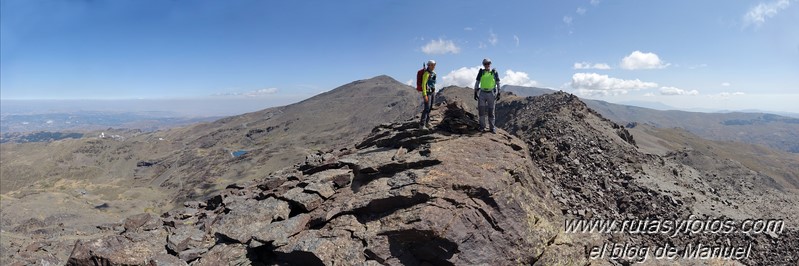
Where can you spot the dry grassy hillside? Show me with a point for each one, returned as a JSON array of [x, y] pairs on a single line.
[[782, 167], [198, 158], [773, 131]]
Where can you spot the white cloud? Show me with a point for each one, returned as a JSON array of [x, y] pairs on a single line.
[[517, 78], [441, 46], [492, 38], [465, 77], [586, 65], [410, 82], [728, 94], [639, 60], [581, 10], [596, 84], [482, 45], [567, 20], [468, 29], [516, 38], [725, 84], [649, 94], [594, 2], [255, 93], [677, 91], [757, 15]]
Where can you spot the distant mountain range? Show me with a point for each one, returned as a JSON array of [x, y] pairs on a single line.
[[650, 105], [535, 91]]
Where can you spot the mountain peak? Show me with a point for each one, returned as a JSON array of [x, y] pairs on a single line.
[[381, 79]]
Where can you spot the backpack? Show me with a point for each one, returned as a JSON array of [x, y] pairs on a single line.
[[419, 77]]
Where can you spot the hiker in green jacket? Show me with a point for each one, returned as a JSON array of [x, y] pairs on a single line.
[[428, 92], [486, 93]]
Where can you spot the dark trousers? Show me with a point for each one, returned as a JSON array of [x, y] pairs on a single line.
[[426, 107], [485, 108]]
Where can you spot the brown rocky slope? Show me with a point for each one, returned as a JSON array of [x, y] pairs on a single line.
[[595, 171], [452, 195], [52, 194], [403, 196], [200, 156]]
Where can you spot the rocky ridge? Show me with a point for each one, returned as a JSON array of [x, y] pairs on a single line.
[[409, 196], [579, 150], [403, 196], [595, 171]]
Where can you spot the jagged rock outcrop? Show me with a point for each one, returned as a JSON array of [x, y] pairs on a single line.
[[403, 196], [595, 171], [579, 151]]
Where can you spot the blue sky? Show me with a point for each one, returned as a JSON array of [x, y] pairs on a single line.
[[686, 54]]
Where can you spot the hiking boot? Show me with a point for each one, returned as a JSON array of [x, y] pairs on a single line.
[[494, 130], [428, 126]]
